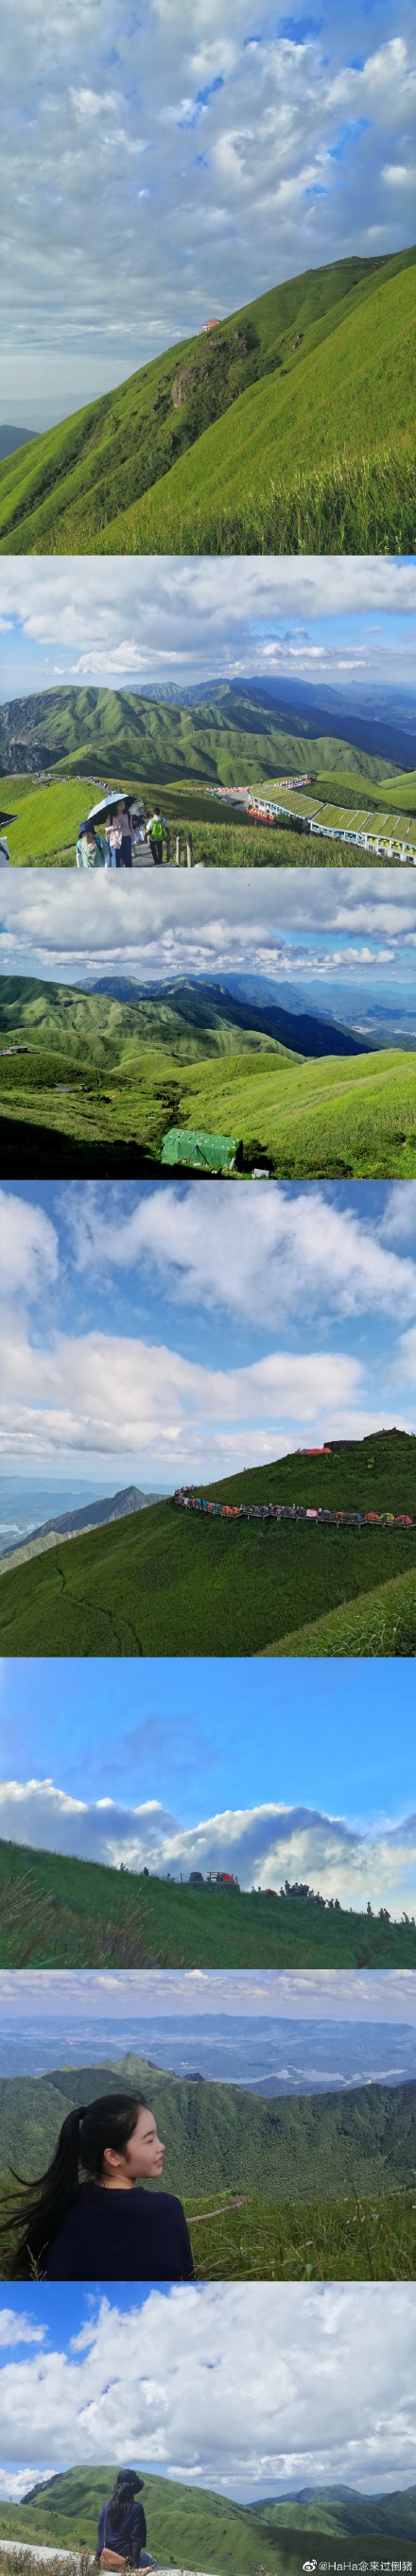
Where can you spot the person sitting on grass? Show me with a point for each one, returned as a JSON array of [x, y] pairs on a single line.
[[91, 850], [122, 2533], [101, 2229]]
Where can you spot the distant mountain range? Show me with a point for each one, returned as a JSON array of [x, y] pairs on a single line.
[[11, 438], [230, 731], [88, 1516], [280, 1010], [267, 2054]]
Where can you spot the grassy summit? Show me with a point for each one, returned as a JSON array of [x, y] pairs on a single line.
[[318, 455], [169, 1582], [194, 2527]]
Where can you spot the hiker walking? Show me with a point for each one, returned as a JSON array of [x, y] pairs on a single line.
[[122, 2532], [154, 835], [101, 2229], [91, 851], [119, 836]]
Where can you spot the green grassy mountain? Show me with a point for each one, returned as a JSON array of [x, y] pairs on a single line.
[[114, 1019], [318, 375], [195, 2527], [57, 1912], [230, 731], [169, 1582], [103, 1075], [220, 2137]]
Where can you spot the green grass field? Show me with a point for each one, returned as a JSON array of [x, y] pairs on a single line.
[[168, 1582], [357, 2239], [306, 437], [335, 1117], [194, 2527], [57, 1912]]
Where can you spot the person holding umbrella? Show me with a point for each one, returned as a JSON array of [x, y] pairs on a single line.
[[119, 835]]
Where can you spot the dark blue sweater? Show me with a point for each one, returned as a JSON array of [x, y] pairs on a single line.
[[121, 2236], [122, 2527]]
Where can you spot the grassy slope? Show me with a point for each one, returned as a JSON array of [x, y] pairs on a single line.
[[194, 2527], [344, 787], [81, 481], [57, 1912], [334, 1117], [354, 395], [221, 2137], [383, 1623], [167, 1583]]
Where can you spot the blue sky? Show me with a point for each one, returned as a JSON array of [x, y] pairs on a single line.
[[222, 2385], [341, 935], [156, 1332], [347, 620], [166, 164], [284, 1773]]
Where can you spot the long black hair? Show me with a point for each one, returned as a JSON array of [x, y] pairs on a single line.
[[85, 2134], [127, 2486]]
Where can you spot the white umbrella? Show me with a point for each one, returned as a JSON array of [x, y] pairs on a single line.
[[119, 796]]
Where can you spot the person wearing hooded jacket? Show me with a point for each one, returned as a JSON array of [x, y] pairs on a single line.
[[91, 851], [122, 2529]]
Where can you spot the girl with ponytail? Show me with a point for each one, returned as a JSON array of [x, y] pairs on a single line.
[[102, 2228]]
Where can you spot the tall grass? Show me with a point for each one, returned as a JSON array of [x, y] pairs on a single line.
[[350, 506], [35, 1924], [350, 2239]]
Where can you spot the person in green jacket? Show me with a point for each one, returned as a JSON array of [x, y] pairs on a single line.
[[154, 835], [91, 850]]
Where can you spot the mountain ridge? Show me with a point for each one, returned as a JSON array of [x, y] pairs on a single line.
[[92, 478], [221, 2136]]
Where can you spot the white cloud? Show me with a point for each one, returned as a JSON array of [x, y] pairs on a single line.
[[19, 2329], [301, 2381], [262, 1845], [203, 923], [105, 1393], [29, 1258], [330, 1994], [303, 1247], [168, 611]]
